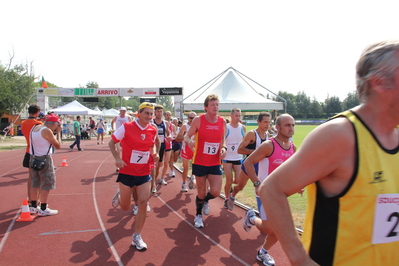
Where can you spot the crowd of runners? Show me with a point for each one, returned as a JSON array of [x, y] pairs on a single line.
[[347, 184]]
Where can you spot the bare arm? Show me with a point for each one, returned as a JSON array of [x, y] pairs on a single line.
[[113, 123], [248, 139], [193, 129], [265, 149], [182, 131], [54, 140], [118, 161], [303, 168], [223, 148]]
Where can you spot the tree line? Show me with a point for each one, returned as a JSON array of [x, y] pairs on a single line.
[[17, 88], [302, 106]]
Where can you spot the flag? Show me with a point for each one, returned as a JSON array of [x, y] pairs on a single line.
[[44, 84]]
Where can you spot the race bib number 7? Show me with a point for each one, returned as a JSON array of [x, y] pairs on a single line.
[[211, 148], [386, 219], [139, 157]]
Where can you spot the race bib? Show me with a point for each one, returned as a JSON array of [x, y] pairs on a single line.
[[386, 219], [232, 146], [139, 157], [211, 148], [161, 138]]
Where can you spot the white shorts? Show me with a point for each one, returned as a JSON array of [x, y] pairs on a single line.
[[261, 210]]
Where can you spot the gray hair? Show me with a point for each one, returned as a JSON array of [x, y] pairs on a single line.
[[378, 59]]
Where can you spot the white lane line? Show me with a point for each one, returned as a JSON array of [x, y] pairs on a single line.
[[57, 232], [202, 233], [104, 230], [3, 241]]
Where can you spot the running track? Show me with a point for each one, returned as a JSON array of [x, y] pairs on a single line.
[[88, 231]]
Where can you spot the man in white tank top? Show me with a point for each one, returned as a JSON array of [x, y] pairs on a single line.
[[232, 161], [41, 140], [117, 122]]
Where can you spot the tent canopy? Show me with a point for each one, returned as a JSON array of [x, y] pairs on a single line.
[[110, 112], [234, 90], [75, 108]]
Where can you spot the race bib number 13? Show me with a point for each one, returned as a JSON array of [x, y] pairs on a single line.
[[386, 219], [211, 148], [139, 157]]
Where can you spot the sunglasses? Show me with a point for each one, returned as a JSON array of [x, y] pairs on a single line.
[[191, 117]]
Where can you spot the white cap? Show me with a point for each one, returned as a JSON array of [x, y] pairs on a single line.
[[122, 109]]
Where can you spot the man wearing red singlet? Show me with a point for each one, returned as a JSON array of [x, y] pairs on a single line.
[[138, 139], [209, 130]]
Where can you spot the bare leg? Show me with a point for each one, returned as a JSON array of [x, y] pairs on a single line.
[[143, 194]]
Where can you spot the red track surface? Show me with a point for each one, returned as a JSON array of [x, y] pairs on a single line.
[[88, 231]]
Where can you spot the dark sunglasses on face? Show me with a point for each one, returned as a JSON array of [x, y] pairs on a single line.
[[191, 117]]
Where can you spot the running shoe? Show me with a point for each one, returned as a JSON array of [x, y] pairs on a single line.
[[135, 209], [184, 188], [230, 202], [265, 258], [154, 190], [138, 242], [246, 223], [115, 199], [225, 203], [148, 207], [46, 212], [206, 208], [33, 210], [198, 221], [117, 170], [172, 173], [163, 182]]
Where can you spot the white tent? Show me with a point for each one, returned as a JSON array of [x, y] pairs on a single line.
[[75, 108], [234, 90], [110, 112]]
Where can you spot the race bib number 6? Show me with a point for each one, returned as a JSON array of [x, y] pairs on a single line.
[[139, 157], [211, 148], [386, 219]]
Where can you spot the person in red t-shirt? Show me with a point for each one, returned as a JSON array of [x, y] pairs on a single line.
[[209, 130], [26, 127], [135, 165]]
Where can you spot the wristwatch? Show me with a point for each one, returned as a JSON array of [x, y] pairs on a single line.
[[256, 183]]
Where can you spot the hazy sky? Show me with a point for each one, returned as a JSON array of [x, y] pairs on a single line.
[[292, 46]]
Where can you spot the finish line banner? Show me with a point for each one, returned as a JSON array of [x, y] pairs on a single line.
[[104, 92]]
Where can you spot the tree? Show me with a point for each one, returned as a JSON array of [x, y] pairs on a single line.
[[302, 102], [290, 98], [333, 105], [16, 88], [315, 108], [166, 102], [350, 101]]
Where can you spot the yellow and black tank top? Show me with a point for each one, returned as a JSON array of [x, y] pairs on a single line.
[[361, 225]]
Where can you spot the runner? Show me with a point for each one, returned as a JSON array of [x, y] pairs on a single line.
[[164, 152], [134, 165], [251, 141], [209, 130], [270, 155], [186, 152], [232, 161], [116, 122]]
